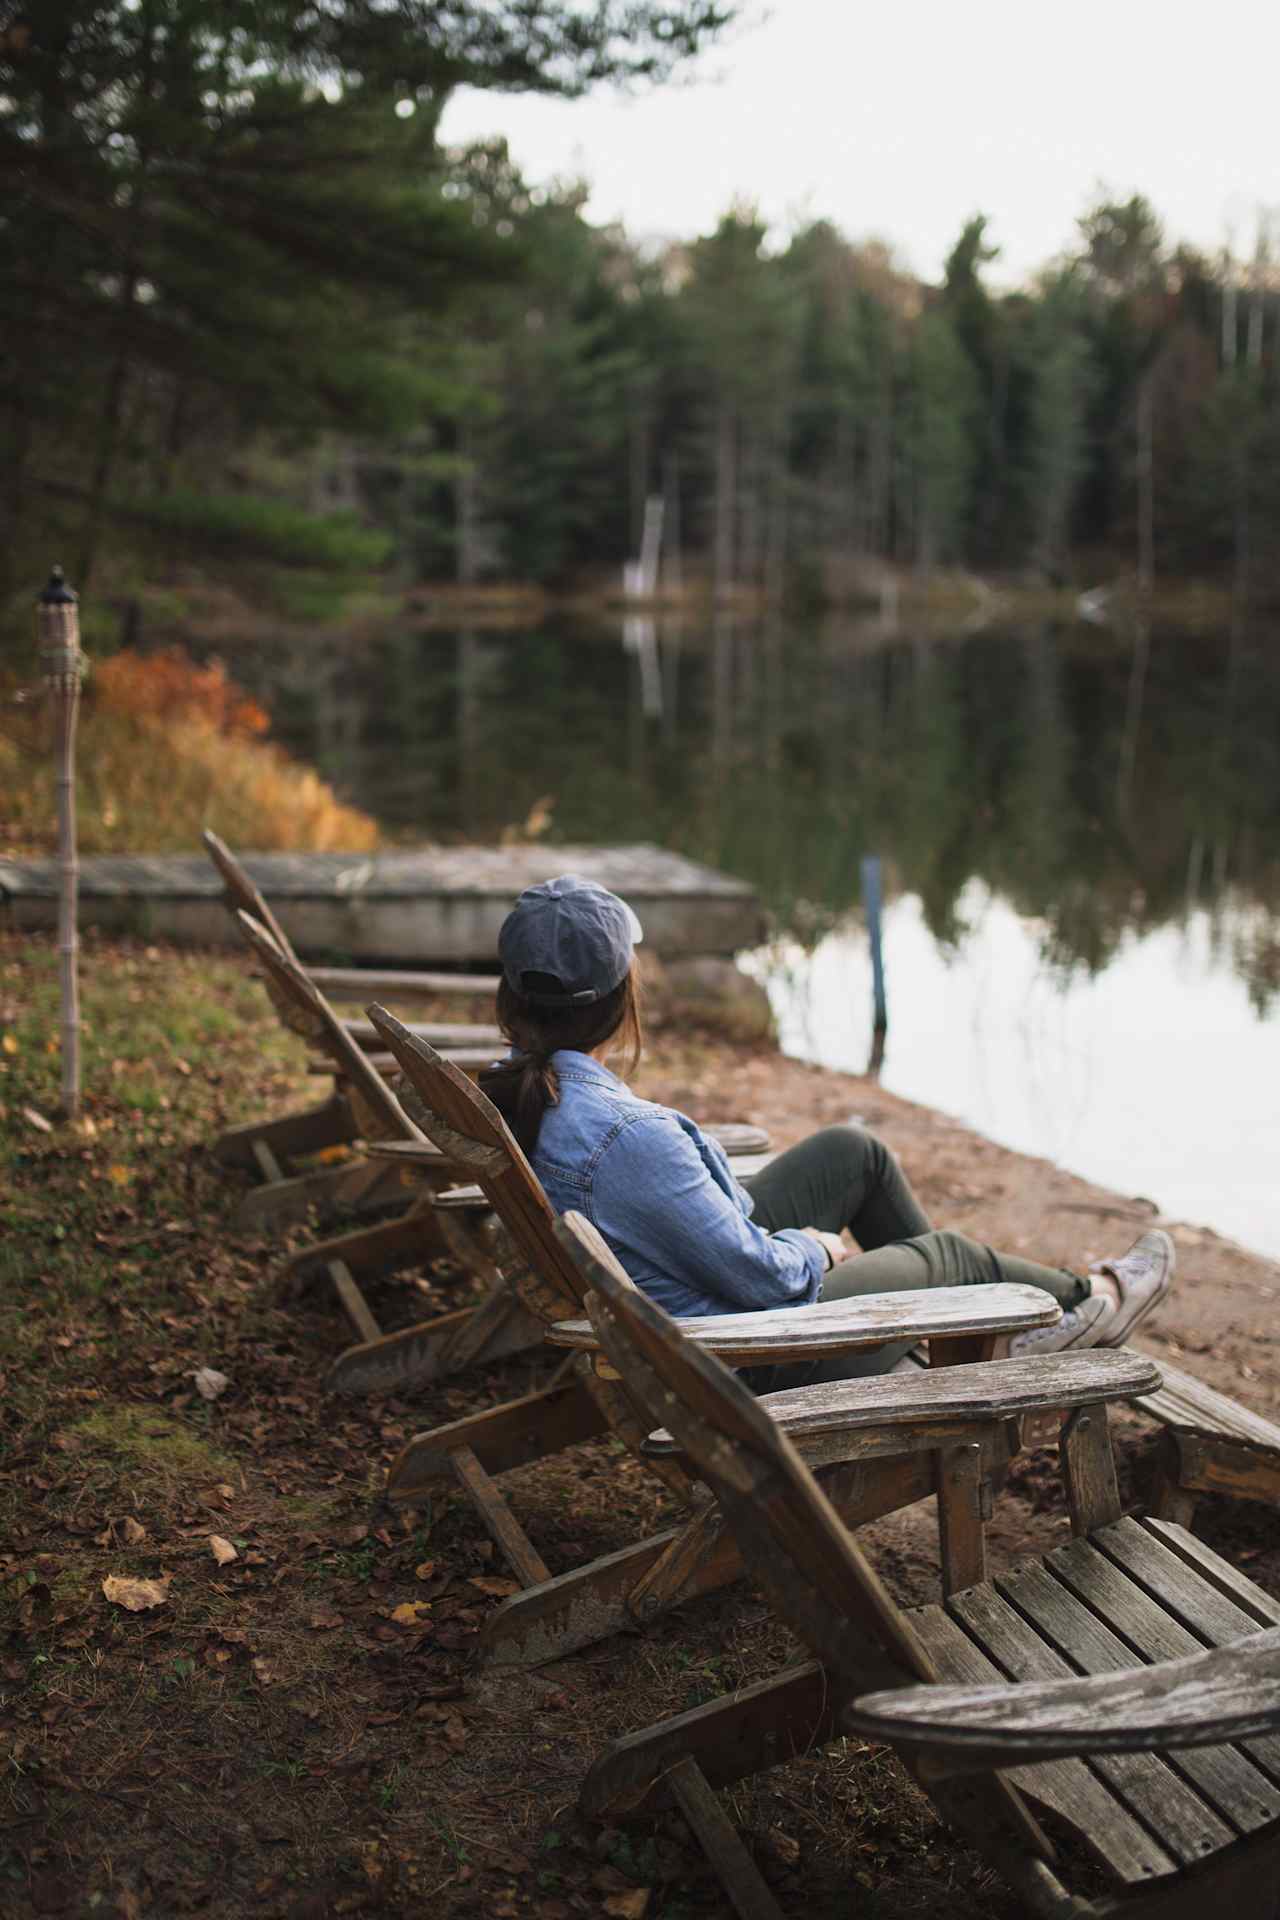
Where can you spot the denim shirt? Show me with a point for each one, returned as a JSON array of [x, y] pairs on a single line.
[[662, 1195]]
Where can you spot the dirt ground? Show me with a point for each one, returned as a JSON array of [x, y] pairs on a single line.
[[301, 1730]]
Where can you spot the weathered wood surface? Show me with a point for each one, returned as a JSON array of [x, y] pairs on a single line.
[[420, 1355], [1089, 1470], [1184, 1402], [1221, 1694], [505, 1531], [331, 1124], [837, 1326], [384, 983], [1068, 1788], [501, 1437], [436, 903], [988, 1390], [1210, 1444], [739, 1875], [441, 1033]]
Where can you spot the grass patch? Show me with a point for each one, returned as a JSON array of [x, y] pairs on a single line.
[[150, 1443]]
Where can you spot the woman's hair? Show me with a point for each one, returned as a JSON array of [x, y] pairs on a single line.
[[523, 1087]]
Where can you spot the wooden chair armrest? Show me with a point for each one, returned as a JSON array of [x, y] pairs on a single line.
[[783, 1334], [985, 1392], [364, 984], [1199, 1700], [417, 1150], [386, 1063], [441, 1034]]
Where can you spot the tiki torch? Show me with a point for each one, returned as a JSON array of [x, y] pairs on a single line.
[[63, 665]]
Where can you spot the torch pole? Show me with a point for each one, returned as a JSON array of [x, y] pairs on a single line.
[[62, 663]]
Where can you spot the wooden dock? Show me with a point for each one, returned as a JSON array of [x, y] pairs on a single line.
[[435, 904]]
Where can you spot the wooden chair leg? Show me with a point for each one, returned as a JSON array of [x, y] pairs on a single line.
[[1170, 1499], [353, 1302], [362, 1184], [332, 1124], [586, 1605], [1089, 1470], [741, 1733], [722, 1844], [500, 1523], [370, 1250], [511, 1435], [961, 1528], [416, 1356]]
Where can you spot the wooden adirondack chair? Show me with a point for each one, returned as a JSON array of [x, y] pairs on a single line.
[[1209, 1443], [270, 1147], [554, 1616], [1127, 1684], [435, 1222]]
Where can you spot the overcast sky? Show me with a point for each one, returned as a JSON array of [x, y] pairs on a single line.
[[902, 118]]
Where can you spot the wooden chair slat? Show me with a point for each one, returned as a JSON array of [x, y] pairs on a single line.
[[1176, 1814], [1214, 1616], [379, 1111], [1228, 1780], [358, 983], [1068, 1788], [1259, 1605]]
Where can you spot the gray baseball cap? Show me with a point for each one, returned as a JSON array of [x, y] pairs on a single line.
[[572, 932]]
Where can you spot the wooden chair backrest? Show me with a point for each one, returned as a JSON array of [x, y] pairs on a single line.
[[378, 1114], [452, 1112], [241, 894], [786, 1527]]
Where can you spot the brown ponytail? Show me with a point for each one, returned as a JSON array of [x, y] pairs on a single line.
[[523, 1087]]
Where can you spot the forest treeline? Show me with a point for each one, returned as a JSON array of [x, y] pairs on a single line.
[[258, 320]]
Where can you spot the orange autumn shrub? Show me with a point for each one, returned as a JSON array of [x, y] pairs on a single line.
[[165, 748], [169, 686]]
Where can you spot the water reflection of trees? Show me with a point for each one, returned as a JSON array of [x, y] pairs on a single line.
[[1098, 802]]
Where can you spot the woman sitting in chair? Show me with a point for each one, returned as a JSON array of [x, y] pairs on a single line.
[[694, 1238]]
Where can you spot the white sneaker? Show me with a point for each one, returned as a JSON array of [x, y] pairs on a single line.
[[1143, 1276], [1079, 1327]]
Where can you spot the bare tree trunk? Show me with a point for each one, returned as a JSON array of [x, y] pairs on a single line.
[[726, 497], [1146, 489], [465, 504]]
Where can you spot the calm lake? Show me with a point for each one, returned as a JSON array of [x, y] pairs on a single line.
[[1080, 831]]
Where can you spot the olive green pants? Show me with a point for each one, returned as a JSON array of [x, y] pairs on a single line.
[[846, 1177]]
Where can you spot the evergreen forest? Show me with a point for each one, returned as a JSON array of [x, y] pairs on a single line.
[[262, 327]]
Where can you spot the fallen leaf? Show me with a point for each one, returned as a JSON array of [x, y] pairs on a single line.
[[118, 1175], [411, 1613], [424, 1570], [223, 1551], [325, 1618], [209, 1384], [132, 1530], [264, 1672], [37, 1120], [632, 1905], [136, 1595], [10, 1043], [500, 1588], [783, 1846]]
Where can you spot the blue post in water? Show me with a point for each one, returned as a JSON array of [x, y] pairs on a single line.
[[871, 902]]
